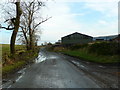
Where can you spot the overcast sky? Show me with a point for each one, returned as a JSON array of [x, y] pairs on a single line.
[[91, 17]]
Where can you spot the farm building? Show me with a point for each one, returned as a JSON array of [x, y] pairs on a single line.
[[117, 39], [76, 38], [105, 38]]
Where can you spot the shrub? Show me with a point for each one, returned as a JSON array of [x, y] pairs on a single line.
[[59, 48], [105, 48], [78, 46]]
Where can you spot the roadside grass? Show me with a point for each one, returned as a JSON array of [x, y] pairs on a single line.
[[9, 68], [21, 58], [85, 55], [93, 57]]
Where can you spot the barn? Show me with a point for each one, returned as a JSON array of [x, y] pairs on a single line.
[[76, 38]]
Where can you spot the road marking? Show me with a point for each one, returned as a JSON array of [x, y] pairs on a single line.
[[21, 71], [82, 66], [9, 86], [101, 66], [77, 63], [19, 78]]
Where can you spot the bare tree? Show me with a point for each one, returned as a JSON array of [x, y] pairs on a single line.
[[31, 20], [13, 24]]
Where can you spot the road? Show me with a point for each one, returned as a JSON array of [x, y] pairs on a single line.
[[54, 70]]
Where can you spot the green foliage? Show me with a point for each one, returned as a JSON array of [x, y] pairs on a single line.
[[78, 46], [105, 48], [6, 51], [14, 62], [9, 68], [83, 55], [102, 52], [50, 48]]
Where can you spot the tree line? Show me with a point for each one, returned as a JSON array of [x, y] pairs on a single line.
[[25, 22]]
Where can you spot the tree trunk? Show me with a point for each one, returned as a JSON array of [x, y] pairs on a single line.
[[26, 39], [27, 43], [31, 40], [16, 25], [12, 42]]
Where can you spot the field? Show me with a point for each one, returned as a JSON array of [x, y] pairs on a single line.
[[12, 63], [0, 53], [6, 48]]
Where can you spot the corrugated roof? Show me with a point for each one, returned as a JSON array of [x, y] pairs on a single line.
[[106, 37], [77, 33]]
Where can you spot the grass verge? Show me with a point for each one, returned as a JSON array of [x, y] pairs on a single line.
[[92, 57], [85, 55], [22, 57], [10, 68]]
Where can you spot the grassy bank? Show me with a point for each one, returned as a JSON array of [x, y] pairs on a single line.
[[93, 57], [21, 58], [102, 52]]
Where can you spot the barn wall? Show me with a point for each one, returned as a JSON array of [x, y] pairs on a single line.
[[76, 39]]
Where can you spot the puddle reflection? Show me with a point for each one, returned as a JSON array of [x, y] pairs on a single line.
[[52, 57], [40, 58]]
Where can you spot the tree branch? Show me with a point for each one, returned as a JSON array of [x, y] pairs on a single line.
[[7, 28], [41, 22]]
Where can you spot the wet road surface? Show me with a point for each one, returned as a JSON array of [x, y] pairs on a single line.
[[52, 70]]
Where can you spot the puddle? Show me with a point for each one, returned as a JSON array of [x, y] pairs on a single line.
[[52, 57], [40, 58]]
